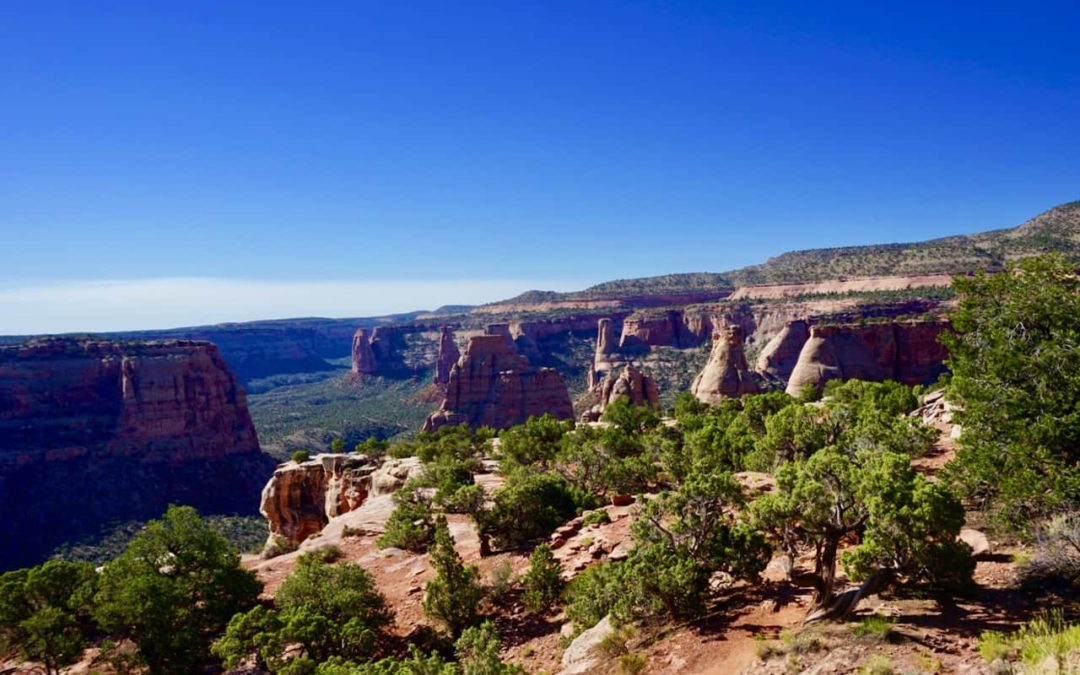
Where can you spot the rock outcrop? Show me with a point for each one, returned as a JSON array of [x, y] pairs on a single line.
[[905, 352], [493, 385], [603, 356], [300, 498], [726, 374], [778, 358], [363, 357], [94, 431], [632, 385], [448, 355]]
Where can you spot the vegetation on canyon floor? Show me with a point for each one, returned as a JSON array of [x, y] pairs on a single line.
[[845, 492]]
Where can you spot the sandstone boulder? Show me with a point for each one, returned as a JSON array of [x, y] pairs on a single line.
[[585, 654]]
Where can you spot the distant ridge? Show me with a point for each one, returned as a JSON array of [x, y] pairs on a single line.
[[1057, 229]]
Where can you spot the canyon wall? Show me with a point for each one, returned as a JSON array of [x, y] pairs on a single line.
[[906, 352], [94, 431]]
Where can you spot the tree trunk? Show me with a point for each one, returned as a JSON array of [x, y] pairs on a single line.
[[825, 569], [844, 604]]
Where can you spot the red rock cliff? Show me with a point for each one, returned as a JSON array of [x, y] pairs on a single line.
[[493, 385], [905, 352], [93, 431]]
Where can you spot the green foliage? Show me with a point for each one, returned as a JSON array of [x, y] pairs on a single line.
[[477, 651], [330, 611], [875, 627], [1016, 374], [599, 460], [543, 581], [372, 446], [453, 597], [411, 526], [45, 612], [1046, 636], [337, 445], [177, 584], [529, 507], [909, 524], [300, 456], [682, 539], [596, 517], [595, 593], [532, 445]]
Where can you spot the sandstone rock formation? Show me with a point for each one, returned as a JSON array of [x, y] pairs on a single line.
[[363, 358], [93, 431], [299, 499], [726, 373], [780, 355], [905, 352], [448, 355], [495, 386], [603, 360], [632, 385]]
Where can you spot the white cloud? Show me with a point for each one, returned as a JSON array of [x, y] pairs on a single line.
[[137, 304]]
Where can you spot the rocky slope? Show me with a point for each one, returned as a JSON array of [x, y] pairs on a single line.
[[93, 431]]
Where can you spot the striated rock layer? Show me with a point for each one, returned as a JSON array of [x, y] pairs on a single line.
[[96, 431], [726, 374], [493, 385], [905, 352]]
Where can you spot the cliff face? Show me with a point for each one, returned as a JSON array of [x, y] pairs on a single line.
[[493, 385], [363, 358], [726, 374], [93, 431], [674, 328], [905, 352], [778, 358]]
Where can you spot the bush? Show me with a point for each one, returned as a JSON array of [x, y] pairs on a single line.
[[411, 526], [329, 611], [1045, 636], [45, 612], [543, 582], [500, 581], [278, 545], [453, 597], [595, 593], [528, 508], [477, 651], [597, 517], [533, 444], [177, 584], [1056, 558], [301, 456]]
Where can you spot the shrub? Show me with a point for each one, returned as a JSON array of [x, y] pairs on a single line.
[[328, 555], [278, 545], [453, 597], [595, 593], [411, 526], [477, 651], [874, 626], [1055, 560], [533, 444], [177, 583], [597, 517], [528, 508], [1047, 635], [543, 582], [44, 612], [301, 456], [500, 581]]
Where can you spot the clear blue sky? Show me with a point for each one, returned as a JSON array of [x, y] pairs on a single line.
[[540, 143]]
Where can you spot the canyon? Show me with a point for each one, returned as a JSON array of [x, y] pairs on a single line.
[[94, 431]]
